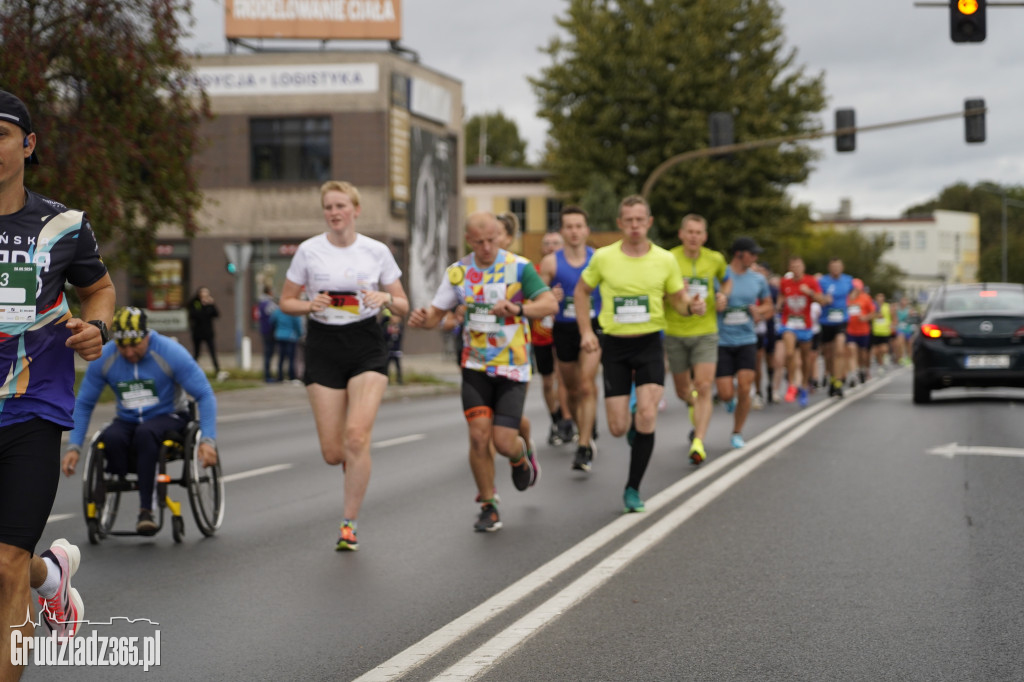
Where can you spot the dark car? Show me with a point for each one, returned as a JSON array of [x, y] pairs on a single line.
[[970, 335]]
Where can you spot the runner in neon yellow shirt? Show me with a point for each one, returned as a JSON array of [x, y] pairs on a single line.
[[691, 343], [636, 279]]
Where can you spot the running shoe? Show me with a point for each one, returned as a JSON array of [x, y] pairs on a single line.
[[801, 397], [697, 454], [554, 437], [567, 430], [730, 405], [531, 455], [522, 471], [146, 525], [631, 501], [583, 459], [63, 612], [737, 441], [790, 393], [488, 521], [347, 539], [757, 402]]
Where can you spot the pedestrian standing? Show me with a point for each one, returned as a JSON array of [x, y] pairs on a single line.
[[202, 311], [265, 308], [287, 330]]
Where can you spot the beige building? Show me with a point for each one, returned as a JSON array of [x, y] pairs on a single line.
[[284, 123], [941, 247]]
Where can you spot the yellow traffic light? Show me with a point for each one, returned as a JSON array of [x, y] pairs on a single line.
[[967, 6]]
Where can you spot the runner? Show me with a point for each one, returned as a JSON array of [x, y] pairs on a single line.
[[691, 343], [636, 277], [836, 287], [861, 311], [796, 292], [555, 394], [349, 278], [578, 371], [749, 301], [500, 291], [882, 332], [45, 247]]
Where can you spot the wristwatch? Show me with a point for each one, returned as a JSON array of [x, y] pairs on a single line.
[[102, 326]]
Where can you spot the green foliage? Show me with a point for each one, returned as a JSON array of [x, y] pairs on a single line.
[[114, 110], [632, 84], [503, 145], [986, 199], [600, 203], [861, 256]]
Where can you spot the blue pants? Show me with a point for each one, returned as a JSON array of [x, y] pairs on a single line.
[[123, 438], [286, 351]]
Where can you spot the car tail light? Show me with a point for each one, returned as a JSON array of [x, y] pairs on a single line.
[[1019, 334], [937, 331]]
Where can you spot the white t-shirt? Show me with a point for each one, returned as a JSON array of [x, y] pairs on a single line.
[[343, 272]]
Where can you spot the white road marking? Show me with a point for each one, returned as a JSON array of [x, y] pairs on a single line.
[[246, 416], [409, 659], [950, 450], [400, 440], [256, 472], [59, 517]]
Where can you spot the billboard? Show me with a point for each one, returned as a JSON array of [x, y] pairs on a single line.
[[315, 19]]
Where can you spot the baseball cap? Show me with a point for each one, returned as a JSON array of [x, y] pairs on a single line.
[[746, 244], [13, 110], [858, 283]]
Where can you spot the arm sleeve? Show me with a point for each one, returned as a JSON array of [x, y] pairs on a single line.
[[592, 273], [389, 270], [674, 279], [190, 376], [88, 393], [532, 283], [88, 267]]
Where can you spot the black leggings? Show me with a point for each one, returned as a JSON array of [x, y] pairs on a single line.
[[199, 341]]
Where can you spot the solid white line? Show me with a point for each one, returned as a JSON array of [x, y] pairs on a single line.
[[400, 440], [431, 645], [516, 634], [263, 414], [59, 517], [256, 472]]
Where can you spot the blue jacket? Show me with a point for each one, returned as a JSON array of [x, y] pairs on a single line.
[[159, 384], [286, 327]]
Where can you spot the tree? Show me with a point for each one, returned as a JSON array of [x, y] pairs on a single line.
[[600, 203], [500, 140], [632, 83], [115, 110], [985, 199]]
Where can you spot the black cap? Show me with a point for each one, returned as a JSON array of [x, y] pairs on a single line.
[[13, 110], [746, 244]]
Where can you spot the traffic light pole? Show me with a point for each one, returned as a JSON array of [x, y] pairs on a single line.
[[776, 141]]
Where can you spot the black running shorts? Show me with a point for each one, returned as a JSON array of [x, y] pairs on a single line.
[[497, 397], [626, 359], [336, 353], [29, 473]]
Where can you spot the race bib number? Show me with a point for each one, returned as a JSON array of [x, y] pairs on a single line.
[[631, 309], [547, 322], [569, 310], [480, 318], [135, 395], [698, 287], [736, 315], [835, 315], [854, 311], [796, 323], [17, 292], [344, 307]]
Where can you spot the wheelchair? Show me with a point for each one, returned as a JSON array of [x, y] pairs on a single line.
[[101, 491]]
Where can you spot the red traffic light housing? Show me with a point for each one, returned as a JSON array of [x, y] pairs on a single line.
[[967, 21]]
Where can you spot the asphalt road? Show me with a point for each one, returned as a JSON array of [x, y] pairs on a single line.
[[832, 547]]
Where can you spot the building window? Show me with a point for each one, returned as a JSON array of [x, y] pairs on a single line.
[[518, 207], [554, 215], [921, 240], [904, 240], [290, 149]]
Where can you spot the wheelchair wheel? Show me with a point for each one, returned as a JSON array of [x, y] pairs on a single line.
[[96, 497], [205, 487]]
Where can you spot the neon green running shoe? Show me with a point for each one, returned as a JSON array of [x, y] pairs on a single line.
[[631, 501]]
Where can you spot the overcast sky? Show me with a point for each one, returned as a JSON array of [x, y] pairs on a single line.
[[887, 59]]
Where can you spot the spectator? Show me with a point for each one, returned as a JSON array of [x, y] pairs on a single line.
[[287, 330], [393, 337], [264, 312], [202, 311]]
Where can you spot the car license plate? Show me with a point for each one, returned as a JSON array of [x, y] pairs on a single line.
[[987, 362]]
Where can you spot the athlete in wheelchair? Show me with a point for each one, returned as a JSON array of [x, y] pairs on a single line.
[[152, 377]]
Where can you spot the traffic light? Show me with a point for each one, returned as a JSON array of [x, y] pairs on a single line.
[[231, 267], [720, 125], [967, 21], [974, 123], [846, 142]]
